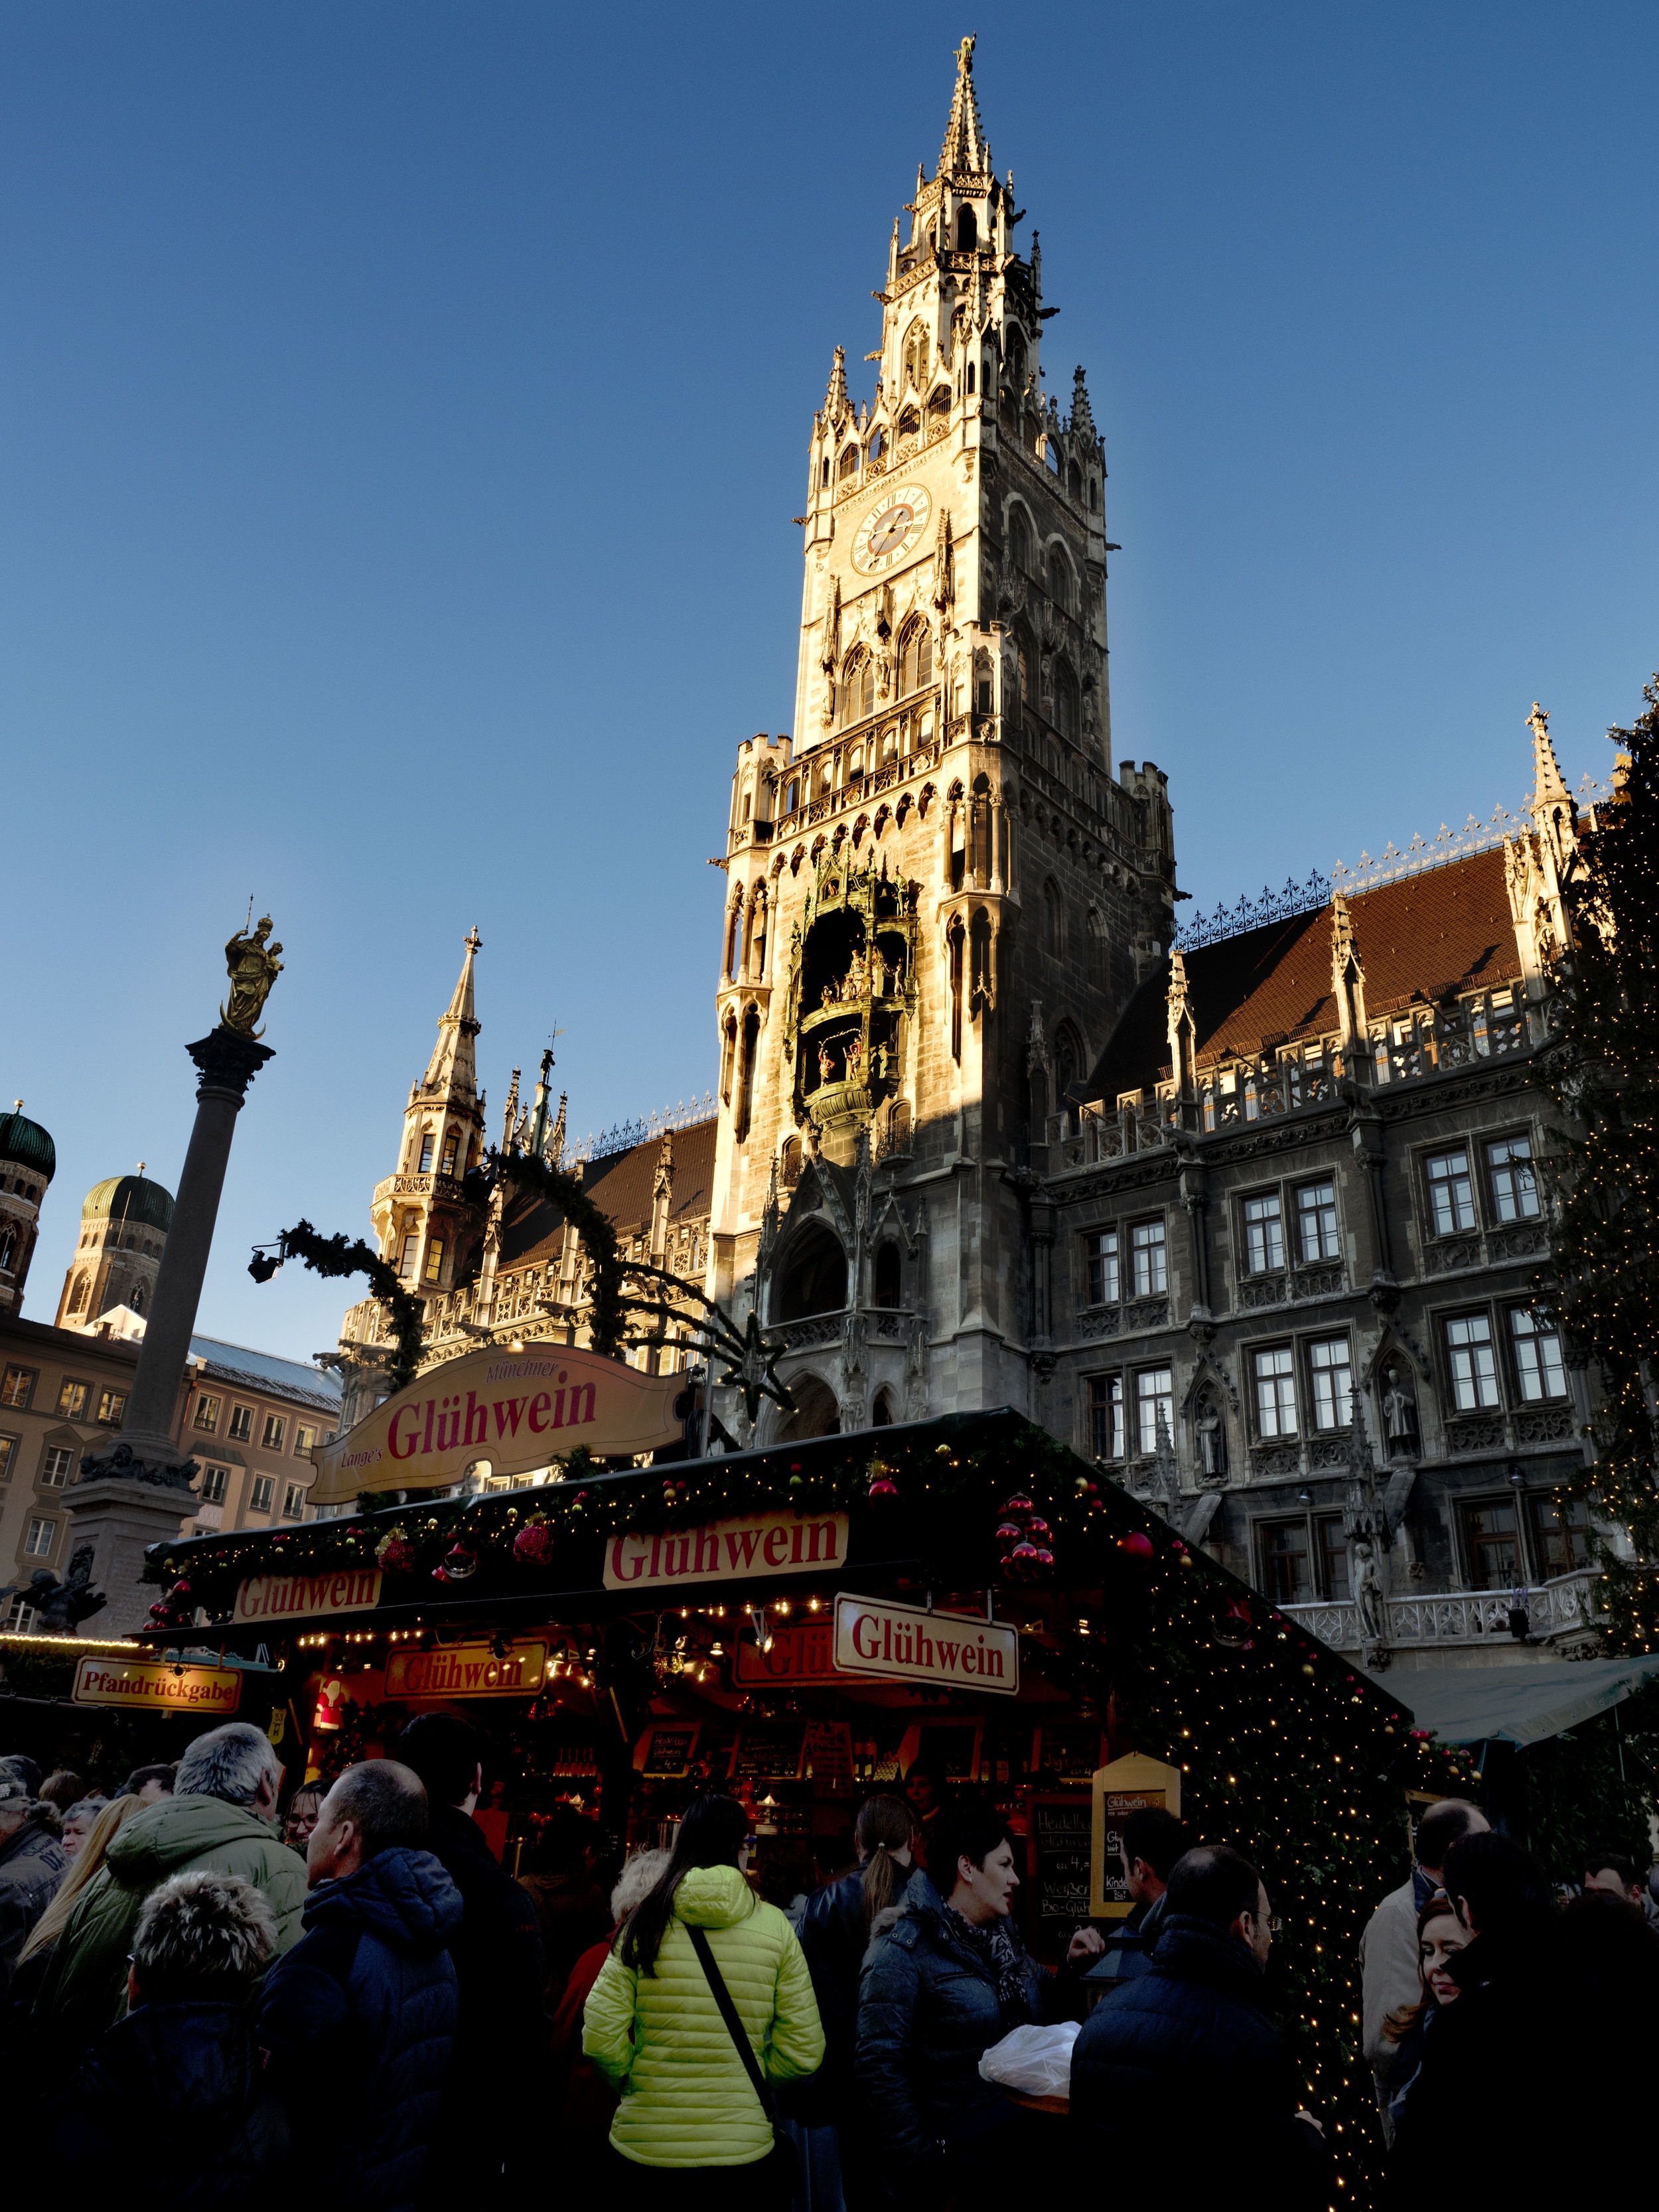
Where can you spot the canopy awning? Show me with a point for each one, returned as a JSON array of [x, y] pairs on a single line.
[[1517, 1704]]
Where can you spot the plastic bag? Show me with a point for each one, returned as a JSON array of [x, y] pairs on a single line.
[[1035, 2060]]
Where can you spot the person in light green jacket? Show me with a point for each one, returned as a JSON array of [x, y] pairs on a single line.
[[220, 1820], [653, 2028]]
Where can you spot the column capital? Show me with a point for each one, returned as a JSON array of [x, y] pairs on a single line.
[[228, 1062], [122, 1464]]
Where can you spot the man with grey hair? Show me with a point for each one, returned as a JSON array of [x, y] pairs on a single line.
[[218, 1820], [368, 1996], [183, 2069]]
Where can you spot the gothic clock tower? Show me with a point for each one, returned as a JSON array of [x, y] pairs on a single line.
[[939, 894]]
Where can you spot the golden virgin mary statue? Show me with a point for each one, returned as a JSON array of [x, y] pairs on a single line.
[[253, 968]]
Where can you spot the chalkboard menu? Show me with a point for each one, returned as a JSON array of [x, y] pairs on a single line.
[[667, 1752], [769, 1751], [1062, 1831], [1069, 1750], [829, 1757]]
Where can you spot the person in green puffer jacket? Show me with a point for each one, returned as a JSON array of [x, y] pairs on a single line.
[[219, 1821], [653, 2028]]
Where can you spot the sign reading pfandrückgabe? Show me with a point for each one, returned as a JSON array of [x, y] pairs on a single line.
[[158, 1685]]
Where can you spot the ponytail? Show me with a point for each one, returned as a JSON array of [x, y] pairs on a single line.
[[885, 1825]]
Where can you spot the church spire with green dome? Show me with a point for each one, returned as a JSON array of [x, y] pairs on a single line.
[[28, 1161]]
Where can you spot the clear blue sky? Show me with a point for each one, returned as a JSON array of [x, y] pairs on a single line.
[[404, 411]]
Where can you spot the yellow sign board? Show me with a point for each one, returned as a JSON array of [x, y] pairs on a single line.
[[515, 1410], [288, 1597], [467, 1670], [960, 1651], [1128, 1785], [747, 1548], [158, 1685]]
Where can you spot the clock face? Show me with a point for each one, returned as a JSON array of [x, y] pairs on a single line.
[[891, 528]]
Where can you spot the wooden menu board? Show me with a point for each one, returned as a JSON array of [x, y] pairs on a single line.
[[1128, 1785], [769, 1751], [665, 1754], [1059, 1864]]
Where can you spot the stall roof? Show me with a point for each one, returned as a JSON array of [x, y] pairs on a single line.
[[1517, 1704]]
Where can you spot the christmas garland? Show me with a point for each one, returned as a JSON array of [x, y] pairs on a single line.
[[334, 1256]]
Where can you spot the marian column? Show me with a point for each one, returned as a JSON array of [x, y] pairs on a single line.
[[137, 1493]]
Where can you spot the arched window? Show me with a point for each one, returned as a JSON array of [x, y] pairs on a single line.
[[917, 354], [1068, 1060], [1027, 671], [889, 1277], [8, 1248], [746, 1074], [1074, 481], [874, 451], [940, 400], [78, 1297], [858, 689], [849, 464], [1051, 920], [982, 682], [815, 1414], [908, 423], [814, 1275], [824, 477], [970, 378], [1095, 933], [881, 1414], [915, 659], [1020, 540], [733, 960], [1066, 703], [967, 230], [427, 1141], [1059, 579], [728, 1055], [789, 1164], [135, 1298], [1014, 355]]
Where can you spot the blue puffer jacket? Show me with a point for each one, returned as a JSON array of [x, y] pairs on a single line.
[[359, 2018], [1186, 2055], [928, 2013]]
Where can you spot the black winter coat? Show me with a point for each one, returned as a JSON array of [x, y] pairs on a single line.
[[174, 2099], [359, 2018], [491, 2108], [1188, 2085], [928, 2013], [834, 1938]]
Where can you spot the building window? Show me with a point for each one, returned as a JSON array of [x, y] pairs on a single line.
[[214, 1478], [55, 1467], [434, 1258], [452, 1145], [1264, 1235], [72, 1401], [259, 1497], [1491, 1545], [19, 1386], [1285, 1565], [1275, 1391], [111, 1404], [1560, 1535], [20, 1617], [425, 1167], [411, 1250], [305, 1437], [1513, 1186], [293, 1501], [274, 1428], [1101, 1251], [1474, 1367], [1333, 1386], [1154, 1394], [1451, 1193], [1315, 1216], [7, 1454], [1146, 1244], [207, 1415], [1333, 1558], [37, 1545], [1106, 1416], [1538, 1365], [242, 1424]]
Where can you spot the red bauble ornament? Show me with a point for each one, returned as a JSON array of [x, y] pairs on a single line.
[[1009, 1533], [1023, 1557], [398, 1557], [883, 1487], [1020, 1504], [533, 1546], [1137, 1544], [458, 1564], [1037, 1528]]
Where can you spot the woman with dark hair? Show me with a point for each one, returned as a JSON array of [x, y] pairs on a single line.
[[945, 1977], [835, 1935], [698, 1946], [1440, 1936]]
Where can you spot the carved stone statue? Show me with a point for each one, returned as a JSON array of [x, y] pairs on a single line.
[[826, 1065], [1212, 1441], [61, 1607], [253, 967], [1400, 1414], [1368, 1593]]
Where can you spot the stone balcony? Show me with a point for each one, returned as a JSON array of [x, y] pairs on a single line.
[[1464, 1620]]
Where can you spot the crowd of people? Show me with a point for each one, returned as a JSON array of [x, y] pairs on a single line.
[[352, 1985]]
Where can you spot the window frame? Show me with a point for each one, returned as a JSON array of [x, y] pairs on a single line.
[[1158, 1245], [1107, 1397], [1110, 1264], [1310, 1345], [17, 1387], [9, 1442], [1304, 1212], [279, 1422], [1432, 1183], [1494, 1168], [244, 1435], [1538, 1539], [261, 1494], [208, 1495], [1314, 1523], [293, 1502], [305, 1438], [48, 1477], [40, 1521], [1262, 1231], [1285, 1351], [1537, 1335], [106, 1418], [1467, 1317], [69, 1384], [1147, 1444], [209, 1427], [1506, 1502]]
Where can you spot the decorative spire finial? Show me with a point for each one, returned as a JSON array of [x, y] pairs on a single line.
[[964, 150]]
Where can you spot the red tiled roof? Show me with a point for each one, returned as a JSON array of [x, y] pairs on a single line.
[[1426, 938], [621, 1183]]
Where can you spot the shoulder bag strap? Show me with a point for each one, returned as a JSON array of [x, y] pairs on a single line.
[[734, 2026]]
